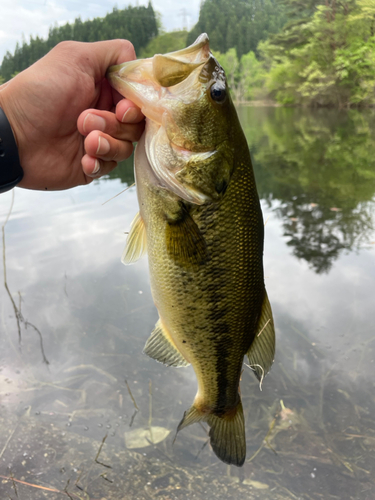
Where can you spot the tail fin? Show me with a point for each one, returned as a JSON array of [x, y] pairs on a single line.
[[227, 433]]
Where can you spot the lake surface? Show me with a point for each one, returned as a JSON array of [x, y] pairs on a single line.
[[78, 397]]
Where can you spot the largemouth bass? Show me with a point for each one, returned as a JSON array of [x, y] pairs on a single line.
[[201, 223]]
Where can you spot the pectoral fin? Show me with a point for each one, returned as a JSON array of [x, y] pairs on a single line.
[[262, 351], [185, 243], [136, 243], [161, 347]]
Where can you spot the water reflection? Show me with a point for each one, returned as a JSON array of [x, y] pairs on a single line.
[[317, 169], [310, 432]]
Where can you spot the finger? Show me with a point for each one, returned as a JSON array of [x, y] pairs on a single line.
[[93, 168], [128, 112], [107, 148], [105, 100], [100, 55], [105, 121]]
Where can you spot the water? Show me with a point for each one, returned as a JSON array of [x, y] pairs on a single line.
[[72, 369]]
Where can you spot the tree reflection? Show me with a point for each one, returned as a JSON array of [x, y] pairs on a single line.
[[319, 235], [317, 169]]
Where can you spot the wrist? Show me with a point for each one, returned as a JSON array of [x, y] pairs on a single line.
[[11, 172]]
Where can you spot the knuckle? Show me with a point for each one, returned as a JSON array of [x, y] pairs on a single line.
[[126, 47], [129, 47], [129, 149], [65, 46], [115, 152]]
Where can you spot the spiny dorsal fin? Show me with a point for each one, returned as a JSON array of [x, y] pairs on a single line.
[[136, 244], [227, 433], [262, 351], [185, 243], [161, 347]]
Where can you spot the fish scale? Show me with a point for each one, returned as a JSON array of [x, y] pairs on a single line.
[[203, 229]]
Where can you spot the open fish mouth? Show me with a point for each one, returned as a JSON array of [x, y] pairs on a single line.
[[148, 82], [161, 86]]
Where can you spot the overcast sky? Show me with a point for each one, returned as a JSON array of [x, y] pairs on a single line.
[[34, 17]]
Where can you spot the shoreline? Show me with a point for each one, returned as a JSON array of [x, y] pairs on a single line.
[[259, 103]]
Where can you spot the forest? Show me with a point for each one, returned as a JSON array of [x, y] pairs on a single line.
[[138, 24], [294, 52]]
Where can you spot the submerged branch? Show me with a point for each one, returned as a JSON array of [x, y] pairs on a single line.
[[17, 310], [134, 403]]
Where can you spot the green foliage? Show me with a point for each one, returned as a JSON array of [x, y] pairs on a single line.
[[239, 24], [245, 76], [253, 77], [137, 24], [298, 52], [164, 43], [326, 60]]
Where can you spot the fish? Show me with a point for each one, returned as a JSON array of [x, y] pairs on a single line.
[[201, 224]]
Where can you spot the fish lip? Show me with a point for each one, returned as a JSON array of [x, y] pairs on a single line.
[[148, 87], [138, 79], [201, 42]]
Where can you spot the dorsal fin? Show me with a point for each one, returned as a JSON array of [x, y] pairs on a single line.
[[136, 244]]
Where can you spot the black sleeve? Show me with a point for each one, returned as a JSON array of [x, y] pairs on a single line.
[[11, 171]]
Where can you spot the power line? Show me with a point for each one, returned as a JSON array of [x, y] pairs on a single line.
[[184, 14]]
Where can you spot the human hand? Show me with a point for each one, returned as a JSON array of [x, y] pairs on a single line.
[[63, 97]]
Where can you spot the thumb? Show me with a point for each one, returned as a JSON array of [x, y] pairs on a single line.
[[98, 56]]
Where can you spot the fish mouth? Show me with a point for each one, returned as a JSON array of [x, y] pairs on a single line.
[[154, 84], [160, 85]]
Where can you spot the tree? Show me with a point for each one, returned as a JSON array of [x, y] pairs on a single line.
[[239, 24], [137, 24], [164, 43], [327, 60], [245, 77]]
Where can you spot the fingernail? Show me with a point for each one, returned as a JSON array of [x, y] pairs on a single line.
[[93, 122], [103, 146], [130, 115], [97, 167]]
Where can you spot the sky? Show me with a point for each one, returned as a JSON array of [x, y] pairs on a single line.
[[34, 17]]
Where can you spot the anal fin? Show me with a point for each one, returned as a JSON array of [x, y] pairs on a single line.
[[160, 347], [136, 244], [262, 351]]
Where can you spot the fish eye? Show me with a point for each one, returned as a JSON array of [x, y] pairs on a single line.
[[218, 93]]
